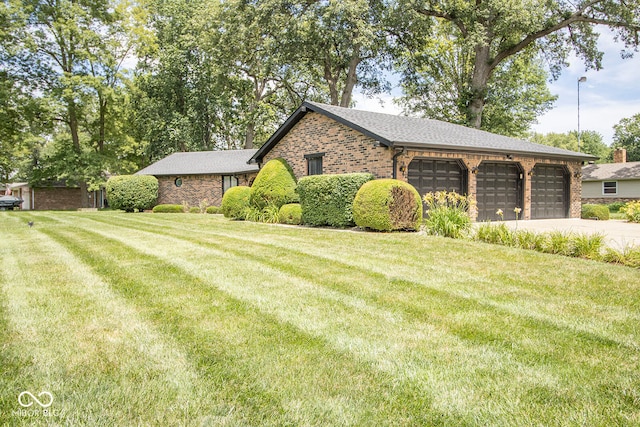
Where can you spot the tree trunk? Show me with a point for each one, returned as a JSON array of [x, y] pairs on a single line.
[[479, 83], [250, 135], [351, 80], [75, 138]]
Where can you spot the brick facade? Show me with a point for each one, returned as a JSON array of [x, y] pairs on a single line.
[[195, 189], [57, 198], [347, 150]]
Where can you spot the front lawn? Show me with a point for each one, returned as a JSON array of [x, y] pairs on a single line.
[[178, 319]]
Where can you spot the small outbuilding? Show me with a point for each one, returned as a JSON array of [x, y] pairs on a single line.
[[58, 195], [611, 182], [202, 175], [500, 172]]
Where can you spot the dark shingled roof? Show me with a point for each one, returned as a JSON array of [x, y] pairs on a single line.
[[617, 171], [412, 132], [225, 162]]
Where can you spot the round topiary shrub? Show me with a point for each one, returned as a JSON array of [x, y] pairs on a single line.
[[131, 192], [235, 202], [387, 205], [168, 209], [600, 212], [274, 185], [290, 213], [213, 209]]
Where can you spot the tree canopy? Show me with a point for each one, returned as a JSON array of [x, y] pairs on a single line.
[[627, 135]]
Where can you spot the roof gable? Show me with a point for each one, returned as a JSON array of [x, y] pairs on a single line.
[[203, 163], [413, 132], [613, 171]]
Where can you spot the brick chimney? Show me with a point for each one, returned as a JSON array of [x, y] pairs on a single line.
[[620, 155]]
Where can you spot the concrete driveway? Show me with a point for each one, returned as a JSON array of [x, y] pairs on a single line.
[[618, 233]]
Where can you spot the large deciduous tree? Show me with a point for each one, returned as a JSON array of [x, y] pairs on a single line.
[[627, 135], [497, 31]]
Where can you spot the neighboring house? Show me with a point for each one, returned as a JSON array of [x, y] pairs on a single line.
[[54, 196], [500, 172], [611, 182], [202, 175]]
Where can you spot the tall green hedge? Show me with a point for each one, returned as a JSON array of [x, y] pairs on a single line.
[[275, 185], [328, 199], [131, 192], [387, 205], [235, 202]]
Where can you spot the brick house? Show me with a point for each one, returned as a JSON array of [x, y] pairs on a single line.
[[611, 182], [499, 171], [202, 175], [55, 196]]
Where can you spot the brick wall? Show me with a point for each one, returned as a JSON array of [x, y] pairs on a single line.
[[346, 150], [607, 200], [195, 188], [57, 198]]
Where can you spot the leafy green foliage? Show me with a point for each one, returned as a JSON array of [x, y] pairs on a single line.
[[387, 205], [590, 143], [448, 213], [274, 185], [194, 209], [290, 214], [328, 199], [168, 208], [631, 211], [235, 202], [130, 192], [590, 211], [213, 210], [627, 135]]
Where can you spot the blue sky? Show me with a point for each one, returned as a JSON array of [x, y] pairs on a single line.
[[607, 96]]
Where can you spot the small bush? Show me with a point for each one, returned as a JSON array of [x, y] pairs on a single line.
[[387, 205], [213, 210], [168, 209], [131, 192], [600, 212], [498, 234], [559, 243], [290, 213], [631, 211], [526, 239], [448, 214], [615, 207], [235, 202], [630, 256], [274, 185], [328, 199], [195, 209]]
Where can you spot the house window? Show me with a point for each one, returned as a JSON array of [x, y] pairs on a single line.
[[314, 163], [228, 181], [178, 182], [610, 187]]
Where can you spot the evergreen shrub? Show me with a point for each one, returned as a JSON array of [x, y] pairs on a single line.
[[290, 213], [235, 202], [600, 212], [131, 192], [168, 209], [275, 185], [387, 205]]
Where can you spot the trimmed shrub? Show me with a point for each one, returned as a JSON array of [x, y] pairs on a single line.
[[328, 199], [290, 213], [131, 192], [631, 211], [168, 209], [194, 209], [387, 205], [213, 210], [235, 202], [275, 185], [615, 207], [600, 212]]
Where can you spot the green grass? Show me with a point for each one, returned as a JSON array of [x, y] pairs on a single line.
[[158, 319]]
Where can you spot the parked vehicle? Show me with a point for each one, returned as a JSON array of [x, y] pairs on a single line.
[[9, 202]]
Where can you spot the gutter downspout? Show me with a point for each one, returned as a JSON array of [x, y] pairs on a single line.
[[395, 161]]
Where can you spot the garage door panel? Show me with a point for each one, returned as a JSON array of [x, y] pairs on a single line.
[[549, 192], [498, 186], [428, 175]]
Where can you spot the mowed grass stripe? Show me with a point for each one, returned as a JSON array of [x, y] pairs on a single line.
[[277, 374], [84, 345], [549, 377], [572, 300]]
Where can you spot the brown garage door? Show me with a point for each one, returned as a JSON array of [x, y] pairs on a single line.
[[549, 192], [428, 175], [498, 186]]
